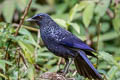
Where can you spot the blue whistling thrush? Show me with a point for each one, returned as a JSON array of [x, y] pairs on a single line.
[[66, 45]]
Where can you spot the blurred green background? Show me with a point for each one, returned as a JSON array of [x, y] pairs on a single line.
[[97, 22]]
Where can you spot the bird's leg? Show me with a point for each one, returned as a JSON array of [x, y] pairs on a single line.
[[67, 65]]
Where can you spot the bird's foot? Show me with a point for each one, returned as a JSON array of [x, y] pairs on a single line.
[[62, 72]]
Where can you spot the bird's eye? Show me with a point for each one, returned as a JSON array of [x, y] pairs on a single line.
[[38, 18]]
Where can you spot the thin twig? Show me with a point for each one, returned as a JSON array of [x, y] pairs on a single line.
[[60, 59], [27, 27], [7, 57], [98, 35], [88, 41], [23, 58], [23, 17], [18, 50], [110, 13], [74, 73]]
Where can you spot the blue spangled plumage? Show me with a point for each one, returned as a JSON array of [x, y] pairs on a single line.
[[64, 44], [74, 42]]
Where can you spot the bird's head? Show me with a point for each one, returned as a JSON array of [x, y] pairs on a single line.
[[39, 18]]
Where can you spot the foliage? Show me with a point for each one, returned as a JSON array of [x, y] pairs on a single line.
[[89, 20]]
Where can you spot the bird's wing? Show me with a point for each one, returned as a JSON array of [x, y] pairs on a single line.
[[74, 42]]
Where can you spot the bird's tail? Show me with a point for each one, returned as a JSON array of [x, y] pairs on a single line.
[[85, 67]]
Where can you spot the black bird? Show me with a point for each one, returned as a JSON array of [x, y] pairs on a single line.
[[66, 45]]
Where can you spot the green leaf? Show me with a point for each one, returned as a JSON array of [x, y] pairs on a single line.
[[51, 62], [112, 72], [53, 69], [60, 9], [117, 74], [107, 36], [21, 4], [4, 76], [75, 26], [109, 58], [88, 14], [29, 35], [101, 9], [41, 8], [61, 22], [47, 54], [31, 72], [2, 64], [28, 51], [106, 56], [8, 10], [116, 23], [105, 26], [82, 5], [73, 12]]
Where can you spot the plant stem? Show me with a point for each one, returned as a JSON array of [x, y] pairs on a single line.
[[97, 43]]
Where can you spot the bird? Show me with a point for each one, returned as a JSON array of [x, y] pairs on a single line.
[[64, 44]]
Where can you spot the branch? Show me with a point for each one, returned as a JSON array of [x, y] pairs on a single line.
[[110, 13], [23, 17], [23, 58], [97, 45], [27, 27], [98, 35]]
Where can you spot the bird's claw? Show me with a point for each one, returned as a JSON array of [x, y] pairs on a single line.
[[62, 72]]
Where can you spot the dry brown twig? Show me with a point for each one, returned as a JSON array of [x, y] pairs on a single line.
[[110, 13], [27, 27], [58, 64], [23, 58], [23, 17]]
